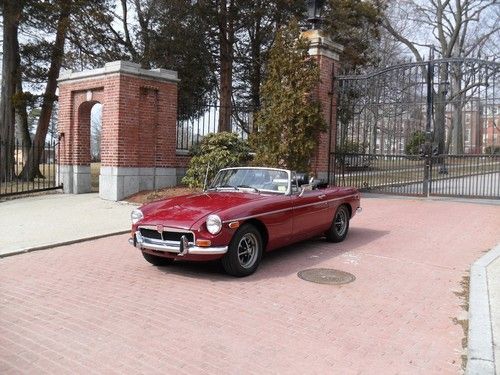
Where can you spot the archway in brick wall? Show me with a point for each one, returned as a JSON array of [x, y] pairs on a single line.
[[84, 125], [95, 145], [138, 149]]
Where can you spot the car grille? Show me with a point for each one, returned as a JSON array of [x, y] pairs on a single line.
[[165, 235]]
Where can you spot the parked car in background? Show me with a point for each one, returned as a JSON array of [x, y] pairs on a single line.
[[245, 212]]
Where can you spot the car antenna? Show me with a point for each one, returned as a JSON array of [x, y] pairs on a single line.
[[206, 177]]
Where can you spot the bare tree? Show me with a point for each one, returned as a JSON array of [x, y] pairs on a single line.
[[455, 29], [95, 132]]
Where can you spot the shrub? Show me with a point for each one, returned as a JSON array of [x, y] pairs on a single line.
[[220, 150], [350, 147], [289, 122], [417, 138], [492, 150]]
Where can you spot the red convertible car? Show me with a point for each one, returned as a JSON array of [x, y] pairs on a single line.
[[245, 212]]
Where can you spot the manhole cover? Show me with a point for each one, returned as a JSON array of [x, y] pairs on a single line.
[[326, 276]]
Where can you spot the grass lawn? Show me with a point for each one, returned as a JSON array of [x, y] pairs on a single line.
[[95, 170], [49, 172], [387, 172]]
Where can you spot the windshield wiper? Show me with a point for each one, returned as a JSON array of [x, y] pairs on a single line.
[[225, 187], [249, 187]]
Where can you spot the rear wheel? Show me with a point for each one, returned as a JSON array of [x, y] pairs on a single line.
[[340, 225], [244, 252], [156, 260]]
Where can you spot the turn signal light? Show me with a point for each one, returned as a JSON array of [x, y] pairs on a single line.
[[203, 243], [234, 224]]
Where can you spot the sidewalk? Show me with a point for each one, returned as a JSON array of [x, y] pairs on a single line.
[[493, 271], [484, 315], [45, 221]]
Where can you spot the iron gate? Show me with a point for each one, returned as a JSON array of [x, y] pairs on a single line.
[[12, 183], [421, 128]]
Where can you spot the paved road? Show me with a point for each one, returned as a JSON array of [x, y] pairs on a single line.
[[98, 307], [485, 185]]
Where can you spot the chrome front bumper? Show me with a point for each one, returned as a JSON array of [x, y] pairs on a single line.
[[179, 248]]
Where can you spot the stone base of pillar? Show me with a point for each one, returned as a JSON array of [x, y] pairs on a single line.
[[75, 178], [116, 183]]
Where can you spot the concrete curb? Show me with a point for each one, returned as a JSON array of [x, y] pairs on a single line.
[[480, 354], [58, 244]]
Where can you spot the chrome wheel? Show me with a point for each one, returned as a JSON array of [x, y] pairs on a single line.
[[340, 222], [248, 250], [340, 225], [244, 251]]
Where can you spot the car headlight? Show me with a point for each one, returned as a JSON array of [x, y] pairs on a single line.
[[136, 215], [214, 224]]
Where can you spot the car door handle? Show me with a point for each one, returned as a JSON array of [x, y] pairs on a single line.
[[321, 196]]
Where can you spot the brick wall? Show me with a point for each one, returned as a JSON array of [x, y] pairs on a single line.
[[325, 52], [138, 121], [323, 93]]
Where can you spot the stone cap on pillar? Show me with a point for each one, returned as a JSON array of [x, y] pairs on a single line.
[[125, 67], [322, 45]]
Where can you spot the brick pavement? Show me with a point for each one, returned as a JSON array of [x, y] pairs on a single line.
[[98, 307]]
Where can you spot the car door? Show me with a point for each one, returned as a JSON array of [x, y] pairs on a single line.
[[310, 214]]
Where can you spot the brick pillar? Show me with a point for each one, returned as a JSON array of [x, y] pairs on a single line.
[[138, 136], [326, 52]]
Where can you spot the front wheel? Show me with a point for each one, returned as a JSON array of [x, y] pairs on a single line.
[[156, 260], [340, 225], [244, 252]]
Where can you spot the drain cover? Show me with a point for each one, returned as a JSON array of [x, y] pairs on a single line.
[[326, 276]]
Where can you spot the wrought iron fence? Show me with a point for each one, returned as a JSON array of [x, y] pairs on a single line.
[[457, 101], [190, 131], [12, 181], [395, 174], [401, 117], [471, 176]]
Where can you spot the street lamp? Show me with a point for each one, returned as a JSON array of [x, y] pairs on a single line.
[[314, 12]]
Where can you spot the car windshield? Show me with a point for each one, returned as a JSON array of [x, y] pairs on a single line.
[[257, 179]]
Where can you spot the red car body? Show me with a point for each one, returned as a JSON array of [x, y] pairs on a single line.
[[281, 219]]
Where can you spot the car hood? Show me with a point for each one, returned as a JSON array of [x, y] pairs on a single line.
[[184, 211]]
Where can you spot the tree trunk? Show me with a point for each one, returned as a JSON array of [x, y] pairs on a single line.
[[255, 74], [11, 11], [21, 115], [143, 19], [456, 140], [457, 121], [226, 38], [22, 131], [30, 170]]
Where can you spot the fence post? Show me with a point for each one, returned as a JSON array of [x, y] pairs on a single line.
[[428, 126]]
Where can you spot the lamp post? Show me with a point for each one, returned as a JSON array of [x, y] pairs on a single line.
[[314, 12]]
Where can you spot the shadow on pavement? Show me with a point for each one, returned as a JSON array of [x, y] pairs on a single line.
[[281, 262]]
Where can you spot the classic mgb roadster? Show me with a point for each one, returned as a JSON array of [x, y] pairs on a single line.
[[243, 213]]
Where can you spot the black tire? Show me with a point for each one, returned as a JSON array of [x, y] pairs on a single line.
[[156, 260], [340, 225], [244, 252]]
